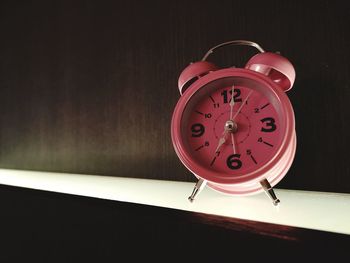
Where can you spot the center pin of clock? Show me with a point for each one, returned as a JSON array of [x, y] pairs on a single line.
[[231, 126], [240, 126]]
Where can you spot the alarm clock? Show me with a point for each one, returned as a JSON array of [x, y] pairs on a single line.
[[234, 128]]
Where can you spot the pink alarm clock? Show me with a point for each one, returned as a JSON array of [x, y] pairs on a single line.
[[234, 128]]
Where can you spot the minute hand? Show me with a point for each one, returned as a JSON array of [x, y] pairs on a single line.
[[243, 103]]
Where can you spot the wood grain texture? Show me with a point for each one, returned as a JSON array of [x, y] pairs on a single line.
[[90, 86]]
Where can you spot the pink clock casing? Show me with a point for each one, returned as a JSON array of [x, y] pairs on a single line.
[[273, 72]]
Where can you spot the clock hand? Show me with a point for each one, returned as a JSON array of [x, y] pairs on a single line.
[[233, 144], [243, 103], [232, 102], [222, 140], [230, 127]]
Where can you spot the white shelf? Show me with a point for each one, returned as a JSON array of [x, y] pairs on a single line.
[[306, 209]]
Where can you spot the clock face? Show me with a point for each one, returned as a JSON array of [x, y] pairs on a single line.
[[253, 139], [233, 138]]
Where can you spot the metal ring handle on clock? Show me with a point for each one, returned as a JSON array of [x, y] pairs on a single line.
[[279, 69], [235, 43]]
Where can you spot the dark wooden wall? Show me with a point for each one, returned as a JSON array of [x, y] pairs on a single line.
[[90, 86]]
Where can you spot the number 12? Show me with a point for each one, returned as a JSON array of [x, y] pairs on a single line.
[[236, 97]]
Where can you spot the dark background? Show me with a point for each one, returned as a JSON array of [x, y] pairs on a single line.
[[90, 86]]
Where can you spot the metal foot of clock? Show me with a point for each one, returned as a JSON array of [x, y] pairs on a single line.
[[197, 188], [269, 191], [264, 183]]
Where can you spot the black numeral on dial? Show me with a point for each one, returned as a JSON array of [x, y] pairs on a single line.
[[270, 125], [236, 97], [197, 130], [233, 162]]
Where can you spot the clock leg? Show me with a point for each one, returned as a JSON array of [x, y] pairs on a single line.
[[269, 191], [197, 188]]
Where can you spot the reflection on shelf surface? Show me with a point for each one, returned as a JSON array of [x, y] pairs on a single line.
[[306, 209]]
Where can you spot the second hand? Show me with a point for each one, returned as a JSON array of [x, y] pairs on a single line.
[[232, 104], [243, 103]]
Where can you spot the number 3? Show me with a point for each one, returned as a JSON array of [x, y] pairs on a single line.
[[270, 124]]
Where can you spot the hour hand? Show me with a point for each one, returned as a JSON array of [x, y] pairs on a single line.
[[222, 140]]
